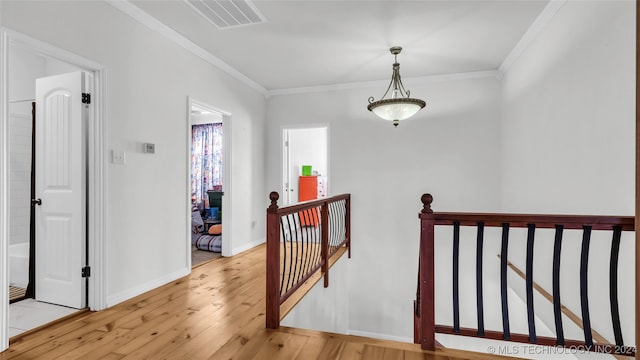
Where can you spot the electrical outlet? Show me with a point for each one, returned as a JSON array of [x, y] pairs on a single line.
[[118, 157]]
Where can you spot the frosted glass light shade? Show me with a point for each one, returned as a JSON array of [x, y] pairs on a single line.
[[396, 109], [399, 106]]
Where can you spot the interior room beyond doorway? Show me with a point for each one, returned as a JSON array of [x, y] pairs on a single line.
[[305, 164], [207, 163]]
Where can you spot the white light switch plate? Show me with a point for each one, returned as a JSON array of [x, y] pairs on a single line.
[[118, 157]]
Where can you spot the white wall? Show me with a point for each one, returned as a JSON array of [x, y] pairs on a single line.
[[148, 79], [451, 149], [568, 120], [312, 311], [568, 110]]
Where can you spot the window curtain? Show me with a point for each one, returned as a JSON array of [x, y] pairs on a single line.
[[206, 160]]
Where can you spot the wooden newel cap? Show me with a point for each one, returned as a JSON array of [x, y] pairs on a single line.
[[274, 196], [426, 199]]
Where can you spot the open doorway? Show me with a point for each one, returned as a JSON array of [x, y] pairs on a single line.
[[207, 182], [38, 85], [305, 163]]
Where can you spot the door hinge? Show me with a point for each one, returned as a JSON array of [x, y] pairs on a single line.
[[86, 271], [86, 98]]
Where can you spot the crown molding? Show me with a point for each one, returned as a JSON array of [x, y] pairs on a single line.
[[152, 23], [416, 80], [536, 27]]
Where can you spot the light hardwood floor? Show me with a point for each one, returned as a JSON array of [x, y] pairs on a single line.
[[217, 312]]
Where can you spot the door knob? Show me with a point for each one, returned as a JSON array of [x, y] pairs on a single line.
[[37, 201]]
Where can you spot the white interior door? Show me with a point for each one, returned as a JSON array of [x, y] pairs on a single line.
[[289, 183], [61, 187]]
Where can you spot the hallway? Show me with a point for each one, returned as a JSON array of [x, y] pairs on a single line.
[[215, 313]]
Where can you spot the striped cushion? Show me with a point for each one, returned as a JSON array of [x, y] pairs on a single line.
[[209, 243]]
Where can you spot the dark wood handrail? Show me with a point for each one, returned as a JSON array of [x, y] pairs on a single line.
[[424, 311], [291, 209], [317, 229], [542, 221]]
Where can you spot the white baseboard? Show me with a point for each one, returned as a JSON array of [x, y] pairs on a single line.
[[143, 288], [245, 247], [380, 336]]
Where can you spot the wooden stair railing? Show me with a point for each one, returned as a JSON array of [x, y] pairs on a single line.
[[425, 327], [303, 240]]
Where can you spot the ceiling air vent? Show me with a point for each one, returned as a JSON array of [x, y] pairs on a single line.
[[228, 13]]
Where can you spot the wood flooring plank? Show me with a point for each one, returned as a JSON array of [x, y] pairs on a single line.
[[352, 351], [372, 352], [206, 337], [181, 333], [158, 329], [332, 349], [312, 348], [61, 348], [202, 345], [238, 341], [248, 348], [111, 356], [291, 348], [243, 320], [393, 354], [204, 307], [430, 355], [45, 342], [272, 347], [411, 355], [92, 349]]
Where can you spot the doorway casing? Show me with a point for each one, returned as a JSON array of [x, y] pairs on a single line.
[[96, 171], [285, 149], [227, 231]]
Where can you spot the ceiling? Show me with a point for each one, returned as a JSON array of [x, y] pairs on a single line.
[[311, 43]]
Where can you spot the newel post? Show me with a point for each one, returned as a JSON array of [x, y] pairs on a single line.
[[273, 263], [347, 204], [426, 275], [324, 249]]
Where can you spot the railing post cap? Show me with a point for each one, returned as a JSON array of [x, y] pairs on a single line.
[[274, 196], [426, 199]]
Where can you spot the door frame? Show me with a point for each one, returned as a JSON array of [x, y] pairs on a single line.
[[637, 185], [227, 237], [285, 156], [96, 171]]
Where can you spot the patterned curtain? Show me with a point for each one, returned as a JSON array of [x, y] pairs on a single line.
[[206, 160]]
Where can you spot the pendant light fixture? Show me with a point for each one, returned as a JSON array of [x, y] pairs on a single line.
[[399, 105]]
